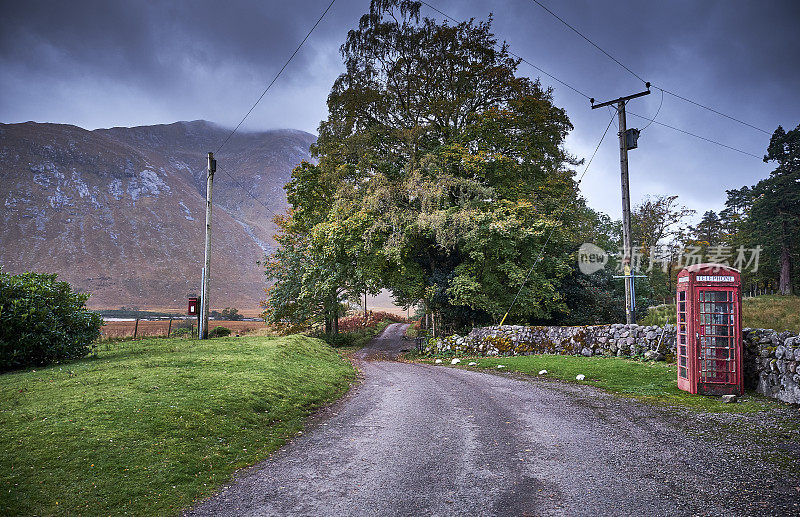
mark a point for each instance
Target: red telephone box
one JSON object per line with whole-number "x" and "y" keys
{"x": 709, "y": 349}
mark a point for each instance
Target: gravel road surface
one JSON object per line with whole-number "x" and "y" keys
{"x": 430, "y": 440}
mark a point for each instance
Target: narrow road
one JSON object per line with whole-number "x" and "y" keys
{"x": 430, "y": 440}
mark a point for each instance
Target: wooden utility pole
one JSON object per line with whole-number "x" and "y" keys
{"x": 627, "y": 267}
{"x": 210, "y": 170}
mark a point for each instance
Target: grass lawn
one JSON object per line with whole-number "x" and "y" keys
{"x": 149, "y": 426}
{"x": 653, "y": 382}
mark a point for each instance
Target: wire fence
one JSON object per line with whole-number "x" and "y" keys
{"x": 141, "y": 328}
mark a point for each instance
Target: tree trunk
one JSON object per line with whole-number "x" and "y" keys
{"x": 785, "y": 281}
{"x": 365, "y": 307}
{"x": 670, "y": 290}
{"x": 336, "y": 316}
{"x": 327, "y": 323}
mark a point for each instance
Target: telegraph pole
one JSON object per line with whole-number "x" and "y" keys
{"x": 627, "y": 140}
{"x": 210, "y": 170}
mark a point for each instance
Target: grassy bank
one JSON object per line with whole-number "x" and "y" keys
{"x": 772, "y": 312}
{"x": 646, "y": 381}
{"x": 149, "y": 426}
{"x": 765, "y": 312}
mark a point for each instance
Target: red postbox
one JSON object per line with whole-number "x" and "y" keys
{"x": 194, "y": 307}
{"x": 709, "y": 347}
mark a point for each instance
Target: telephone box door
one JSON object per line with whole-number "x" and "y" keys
{"x": 717, "y": 315}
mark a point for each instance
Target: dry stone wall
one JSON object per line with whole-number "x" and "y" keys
{"x": 619, "y": 340}
{"x": 770, "y": 359}
{"x": 772, "y": 363}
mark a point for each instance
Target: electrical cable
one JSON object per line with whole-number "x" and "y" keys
{"x": 277, "y": 75}
{"x": 550, "y": 232}
{"x": 694, "y": 135}
{"x": 657, "y": 112}
{"x": 551, "y": 76}
{"x": 269, "y": 86}
{"x": 595, "y": 45}
{"x": 246, "y": 190}
{"x": 663, "y": 90}
{"x": 712, "y": 110}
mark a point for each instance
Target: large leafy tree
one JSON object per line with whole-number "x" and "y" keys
{"x": 440, "y": 173}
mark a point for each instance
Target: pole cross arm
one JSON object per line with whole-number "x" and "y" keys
{"x": 621, "y": 99}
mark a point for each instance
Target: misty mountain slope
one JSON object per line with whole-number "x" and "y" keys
{"x": 120, "y": 212}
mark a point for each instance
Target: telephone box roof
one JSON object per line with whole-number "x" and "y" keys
{"x": 709, "y": 265}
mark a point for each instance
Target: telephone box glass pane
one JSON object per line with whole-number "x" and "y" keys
{"x": 717, "y": 355}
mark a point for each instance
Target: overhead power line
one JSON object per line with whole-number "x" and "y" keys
{"x": 660, "y": 104}
{"x": 595, "y": 45}
{"x": 277, "y": 75}
{"x": 713, "y": 110}
{"x": 579, "y": 92}
{"x": 551, "y": 76}
{"x": 693, "y": 134}
{"x": 274, "y": 79}
{"x": 248, "y": 191}
{"x": 664, "y": 90}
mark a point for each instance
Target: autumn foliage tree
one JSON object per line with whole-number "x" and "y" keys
{"x": 440, "y": 171}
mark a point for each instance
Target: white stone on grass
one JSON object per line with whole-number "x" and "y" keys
{"x": 438, "y": 361}
{"x": 472, "y": 363}
{"x": 455, "y": 361}
{"x": 542, "y": 372}
{"x": 501, "y": 366}
{"x": 580, "y": 377}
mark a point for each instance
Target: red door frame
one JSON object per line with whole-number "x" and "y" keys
{"x": 733, "y": 384}
{"x": 689, "y": 283}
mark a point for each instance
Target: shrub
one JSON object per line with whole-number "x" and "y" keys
{"x": 181, "y": 332}
{"x": 43, "y": 321}
{"x": 219, "y": 332}
{"x": 660, "y": 315}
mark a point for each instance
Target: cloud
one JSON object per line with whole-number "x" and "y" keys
{"x": 100, "y": 64}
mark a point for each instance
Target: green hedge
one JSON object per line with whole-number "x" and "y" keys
{"x": 43, "y": 321}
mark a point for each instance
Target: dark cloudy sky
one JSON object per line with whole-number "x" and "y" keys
{"x": 122, "y": 63}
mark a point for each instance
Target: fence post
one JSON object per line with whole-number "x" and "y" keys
{"x": 136, "y": 328}
{"x": 169, "y": 330}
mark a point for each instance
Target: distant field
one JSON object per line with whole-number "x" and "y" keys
{"x": 246, "y": 312}
{"x": 120, "y": 329}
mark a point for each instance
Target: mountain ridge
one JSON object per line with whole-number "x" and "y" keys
{"x": 119, "y": 212}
